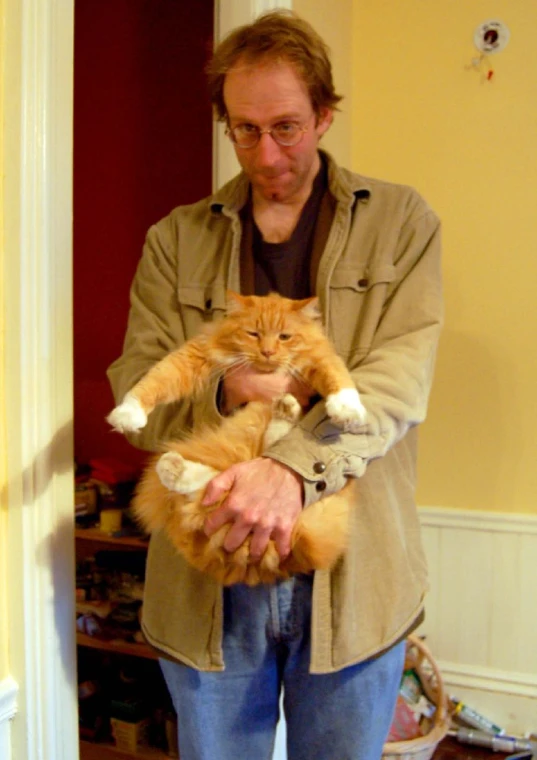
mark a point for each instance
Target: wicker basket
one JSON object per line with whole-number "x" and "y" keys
{"x": 420, "y": 659}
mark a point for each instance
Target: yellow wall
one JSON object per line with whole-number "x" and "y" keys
{"x": 423, "y": 116}
{"x": 3, "y": 516}
{"x": 416, "y": 111}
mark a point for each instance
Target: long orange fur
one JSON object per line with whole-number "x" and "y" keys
{"x": 270, "y": 333}
{"x": 319, "y": 535}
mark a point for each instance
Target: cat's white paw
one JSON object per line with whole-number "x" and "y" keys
{"x": 287, "y": 408}
{"x": 128, "y": 417}
{"x": 346, "y": 410}
{"x": 170, "y": 469}
{"x": 286, "y": 411}
{"x": 181, "y": 475}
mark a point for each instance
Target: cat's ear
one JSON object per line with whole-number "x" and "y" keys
{"x": 235, "y": 302}
{"x": 309, "y": 307}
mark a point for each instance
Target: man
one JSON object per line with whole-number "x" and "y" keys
{"x": 294, "y": 222}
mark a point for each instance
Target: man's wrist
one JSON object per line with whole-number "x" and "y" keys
{"x": 297, "y": 476}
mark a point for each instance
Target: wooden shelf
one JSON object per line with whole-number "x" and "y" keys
{"x": 96, "y": 751}
{"x": 96, "y": 536}
{"x": 117, "y": 646}
{"x": 87, "y": 539}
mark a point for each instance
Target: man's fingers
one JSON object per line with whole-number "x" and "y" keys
{"x": 282, "y": 540}
{"x": 259, "y": 543}
{"x": 217, "y": 488}
{"x": 236, "y": 536}
{"x": 216, "y": 520}
{"x": 241, "y": 528}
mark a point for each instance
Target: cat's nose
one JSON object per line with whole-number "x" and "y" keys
{"x": 268, "y": 352}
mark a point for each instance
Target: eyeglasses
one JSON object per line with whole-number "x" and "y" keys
{"x": 248, "y": 135}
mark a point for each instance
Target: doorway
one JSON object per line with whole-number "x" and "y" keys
{"x": 37, "y": 203}
{"x": 142, "y": 145}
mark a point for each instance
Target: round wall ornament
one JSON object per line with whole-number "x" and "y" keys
{"x": 491, "y": 36}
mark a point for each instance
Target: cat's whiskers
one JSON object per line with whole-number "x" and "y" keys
{"x": 280, "y": 367}
{"x": 233, "y": 364}
{"x": 236, "y": 363}
{"x": 295, "y": 373}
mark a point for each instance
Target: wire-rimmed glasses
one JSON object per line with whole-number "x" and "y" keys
{"x": 287, "y": 133}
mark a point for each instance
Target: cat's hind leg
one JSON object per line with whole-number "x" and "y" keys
{"x": 286, "y": 407}
{"x": 286, "y": 412}
{"x": 182, "y": 475}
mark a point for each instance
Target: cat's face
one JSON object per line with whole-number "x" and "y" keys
{"x": 269, "y": 333}
{"x": 269, "y": 342}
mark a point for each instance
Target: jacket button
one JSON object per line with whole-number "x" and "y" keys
{"x": 208, "y": 304}
{"x": 319, "y": 467}
{"x": 320, "y": 486}
{"x": 363, "y": 282}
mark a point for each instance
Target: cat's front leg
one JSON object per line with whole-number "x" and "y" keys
{"x": 182, "y": 475}
{"x": 129, "y": 416}
{"x": 180, "y": 374}
{"x": 346, "y": 410}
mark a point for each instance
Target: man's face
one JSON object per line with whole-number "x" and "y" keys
{"x": 263, "y": 95}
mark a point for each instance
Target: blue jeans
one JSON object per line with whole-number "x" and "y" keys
{"x": 232, "y": 715}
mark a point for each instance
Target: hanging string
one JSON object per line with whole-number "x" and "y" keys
{"x": 482, "y": 65}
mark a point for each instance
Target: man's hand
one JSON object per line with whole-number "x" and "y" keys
{"x": 264, "y": 499}
{"x": 245, "y": 384}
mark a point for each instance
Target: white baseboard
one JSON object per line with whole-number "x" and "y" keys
{"x": 8, "y": 709}
{"x": 490, "y": 679}
{"x": 481, "y": 621}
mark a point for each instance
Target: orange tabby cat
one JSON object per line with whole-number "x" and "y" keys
{"x": 270, "y": 334}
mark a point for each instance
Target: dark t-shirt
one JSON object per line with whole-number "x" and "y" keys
{"x": 285, "y": 267}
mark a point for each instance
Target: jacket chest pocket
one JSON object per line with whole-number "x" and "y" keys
{"x": 200, "y": 304}
{"x": 357, "y": 300}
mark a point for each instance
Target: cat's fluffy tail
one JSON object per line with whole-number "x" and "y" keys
{"x": 321, "y": 533}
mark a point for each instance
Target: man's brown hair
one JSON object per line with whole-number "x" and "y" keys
{"x": 275, "y": 36}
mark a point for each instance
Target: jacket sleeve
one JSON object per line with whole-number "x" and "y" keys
{"x": 154, "y": 329}
{"x": 394, "y": 377}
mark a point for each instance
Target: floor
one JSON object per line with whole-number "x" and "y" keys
{"x": 449, "y": 749}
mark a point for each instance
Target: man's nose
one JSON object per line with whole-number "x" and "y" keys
{"x": 268, "y": 150}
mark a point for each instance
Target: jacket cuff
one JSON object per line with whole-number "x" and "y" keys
{"x": 321, "y": 458}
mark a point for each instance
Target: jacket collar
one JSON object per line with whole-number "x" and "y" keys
{"x": 344, "y": 185}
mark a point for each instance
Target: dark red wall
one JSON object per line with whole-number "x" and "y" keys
{"x": 142, "y": 145}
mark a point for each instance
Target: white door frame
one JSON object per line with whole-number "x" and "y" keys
{"x": 38, "y": 90}
{"x": 37, "y": 218}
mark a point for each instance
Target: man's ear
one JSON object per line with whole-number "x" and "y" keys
{"x": 325, "y": 117}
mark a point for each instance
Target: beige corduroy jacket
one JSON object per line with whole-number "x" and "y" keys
{"x": 379, "y": 284}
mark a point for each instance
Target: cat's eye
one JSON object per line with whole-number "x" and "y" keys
{"x": 284, "y": 336}
{"x": 252, "y": 333}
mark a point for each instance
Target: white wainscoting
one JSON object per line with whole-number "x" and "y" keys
{"x": 481, "y": 612}
{"x": 8, "y": 708}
